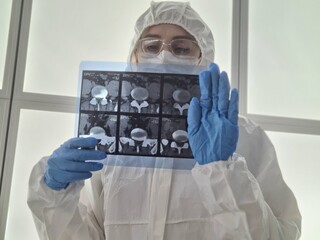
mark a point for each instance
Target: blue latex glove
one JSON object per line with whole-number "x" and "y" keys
{"x": 68, "y": 163}
{"x": 213, "y": 122}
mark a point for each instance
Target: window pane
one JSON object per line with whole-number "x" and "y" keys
{"x": 33, "y": 133}
{"x": 5, "y": 13}
{"x": 63, "y": 33}
{"x": 284, "y": 57}
{"x": 297, "y": 154}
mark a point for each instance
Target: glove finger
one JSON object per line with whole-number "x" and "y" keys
{"x": 205, "y": 90}
{"x": 67, "y": 177}
{"x": 234, "y": 107}
{"x": 194, "y": 117}
{"x": 81, "y": 154}
{"x": 224, "y": 89}
{"x": 215, "y": 75}
{"x": 88, "y": 142}
{"x": 74, "y": 166}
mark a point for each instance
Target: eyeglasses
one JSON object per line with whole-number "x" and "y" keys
{"x": 178, "y": 47}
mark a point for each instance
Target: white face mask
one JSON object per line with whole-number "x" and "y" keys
{"x": 166, "y": 57}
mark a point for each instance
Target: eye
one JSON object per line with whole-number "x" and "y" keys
{"x": 151, "y": 46}
{"x": 182, "y": 47}
{"x": 181, "y": 51}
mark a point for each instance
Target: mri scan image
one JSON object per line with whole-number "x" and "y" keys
{"x": 136, "y": 113}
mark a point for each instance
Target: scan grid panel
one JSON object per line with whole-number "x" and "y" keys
{"x": 135, "y": 113}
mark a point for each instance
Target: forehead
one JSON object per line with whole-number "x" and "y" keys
{"x": 166, "y": 32}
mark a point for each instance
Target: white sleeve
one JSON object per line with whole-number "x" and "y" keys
{"x": 249, "y": 196}
{"x": 61, "y": 214}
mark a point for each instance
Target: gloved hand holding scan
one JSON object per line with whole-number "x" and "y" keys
{"x": 69, "y": 162}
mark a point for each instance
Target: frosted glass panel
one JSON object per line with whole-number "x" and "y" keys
{"x": 5, "y": 13}
{"x": 39, "y": 134}
{"x": 284, "y": 57}
{"x": 63, "y": 33}
{"x": 298, "y": 156}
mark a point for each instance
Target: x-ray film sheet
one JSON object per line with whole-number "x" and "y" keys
{"x": 138, "y": 110}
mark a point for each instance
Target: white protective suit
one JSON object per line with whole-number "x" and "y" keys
{"x": 241, "y": 198}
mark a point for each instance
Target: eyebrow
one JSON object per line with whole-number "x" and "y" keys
{"x": 176, "y": 37}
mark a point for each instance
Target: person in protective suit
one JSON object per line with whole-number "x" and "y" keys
{"x": 235, "y": 189}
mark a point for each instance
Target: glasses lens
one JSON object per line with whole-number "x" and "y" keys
{"x": 151, "y": 46}
{"x": 184, "y": 47}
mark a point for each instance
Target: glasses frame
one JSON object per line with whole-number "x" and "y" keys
{"x": 139, "y": 47}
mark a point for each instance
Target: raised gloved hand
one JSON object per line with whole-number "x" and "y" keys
{"x": 68, "y": 163}
{"x": 213, "y": 122}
